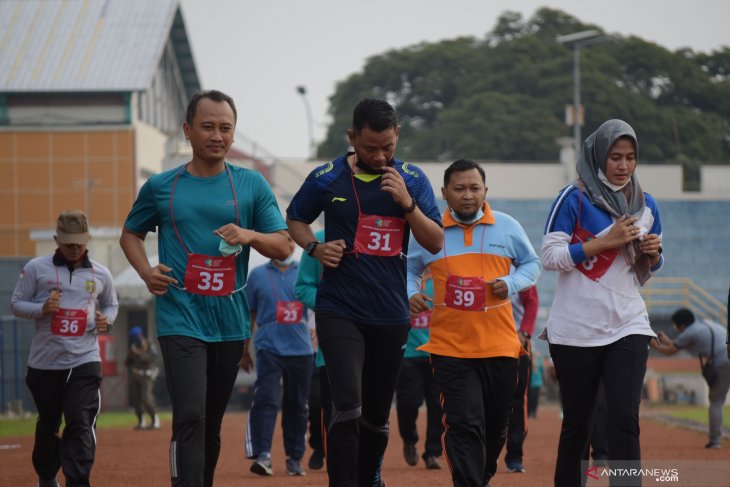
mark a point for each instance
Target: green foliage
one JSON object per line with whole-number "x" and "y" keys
{"x": 113, "y": 419}
{"x": 504, "y": 96}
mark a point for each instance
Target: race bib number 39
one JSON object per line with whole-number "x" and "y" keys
{"x": 69, "y": 322}
{"x": 465, "y": 293}
{"x": 379, "y": 235}
{"x": 210, "y": 275}
{"x": 289, "y": 312}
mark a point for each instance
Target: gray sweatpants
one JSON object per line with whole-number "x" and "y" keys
{"x": 718, "y": 393}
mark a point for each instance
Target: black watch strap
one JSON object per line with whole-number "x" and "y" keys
{"x": 311, "y": 246}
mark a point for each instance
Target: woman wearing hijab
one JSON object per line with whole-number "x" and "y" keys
{"x": 603, "y": 236}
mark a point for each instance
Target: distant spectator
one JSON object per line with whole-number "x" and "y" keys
{"x": 143, "y": 370}
{"x": 705, "y": 339}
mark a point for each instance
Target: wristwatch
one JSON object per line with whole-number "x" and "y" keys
{"x": 310, "y": 246}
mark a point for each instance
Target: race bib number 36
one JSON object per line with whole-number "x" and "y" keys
{"x": 69, "y": 322}
{"x": 210, "y": 275}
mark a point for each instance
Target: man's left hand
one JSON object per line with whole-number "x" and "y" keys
{"x": 499, "y": 288}
{"x": 102, "y": 322}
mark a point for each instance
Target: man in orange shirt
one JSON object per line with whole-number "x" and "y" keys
{"x": 473, "y": 342}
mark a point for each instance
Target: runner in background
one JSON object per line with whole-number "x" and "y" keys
{"x": 283, "y": 364}
{"x": 320, "y": 400}
{"x": 59, "y": 292}
{"x": 416, "y": 384}
{"x": 525, "y": 305}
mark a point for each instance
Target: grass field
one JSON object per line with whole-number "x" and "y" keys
{"x": 697, "y": 414}
{"x": 26, "y": 426}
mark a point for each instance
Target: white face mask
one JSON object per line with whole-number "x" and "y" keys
{"x": 286, "y": 262}
{"x": 609, "y": 184}
{"x": 477, "y": 217}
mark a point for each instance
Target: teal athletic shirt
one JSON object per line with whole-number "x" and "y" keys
{"x": 202, "y": 205}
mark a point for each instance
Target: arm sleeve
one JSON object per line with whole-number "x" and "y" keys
{"x": 557, "y": 253}
{"x": 308, "y": 277}
{"x": 108, "y": 298}
{"x": 416, "y": 265}
{"x": 143, "y": 216}
{"x": 531, "y": 304}
{"x": 426, "y": 199}
{"x": 656, "y": 228}
{"x": 23, "y": 301}
{"x": 267, "y": 216}
{"x": 526, "y": 262}
{"x": 251, "y": 287}
{"x": 306, "y": 204}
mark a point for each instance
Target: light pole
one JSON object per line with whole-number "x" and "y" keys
{"x": 302, "y": 90}
{"x": 579, "y": 40}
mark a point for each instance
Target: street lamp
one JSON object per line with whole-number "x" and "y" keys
{"x": 579, "y": 40}
{"x": 302, "y": 90}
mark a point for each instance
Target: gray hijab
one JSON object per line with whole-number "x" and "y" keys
{"x": 628, "y": 201}
{"x": 593, "y": 157}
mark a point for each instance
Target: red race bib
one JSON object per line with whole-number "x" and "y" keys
{"x": 289, "y": 312}
{"x": 422, "y": 320}
{"x": 210, "y": 275}
{"x": 69, "y": 322}
{"x": 379, "y": 235}
{"x": 466, "y": 293}
{"x": 593, "y": 267}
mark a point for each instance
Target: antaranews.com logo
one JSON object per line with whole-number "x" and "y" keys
{"x": 679, "y": 473}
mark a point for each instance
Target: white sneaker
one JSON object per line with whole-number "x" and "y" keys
{"x": 155, "y": 423}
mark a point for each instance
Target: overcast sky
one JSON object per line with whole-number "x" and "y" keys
{"x": 260, "y": 51}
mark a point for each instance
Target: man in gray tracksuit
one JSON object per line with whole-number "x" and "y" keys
{"x": 60, "y": 292}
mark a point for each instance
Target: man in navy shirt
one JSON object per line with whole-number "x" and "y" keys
{"x": 370, "y": 202}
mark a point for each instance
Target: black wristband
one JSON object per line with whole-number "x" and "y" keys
{"x": 412, "y": 208}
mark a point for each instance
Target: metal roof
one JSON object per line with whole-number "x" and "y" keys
{"x": 89, "y": 45}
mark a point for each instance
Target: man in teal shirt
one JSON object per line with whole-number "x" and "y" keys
{"x": 209, "y": 214}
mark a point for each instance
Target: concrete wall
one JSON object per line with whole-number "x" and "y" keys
{"x": 535, "y": 181}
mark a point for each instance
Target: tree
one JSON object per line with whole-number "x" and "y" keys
{"x": 504, "y": 97}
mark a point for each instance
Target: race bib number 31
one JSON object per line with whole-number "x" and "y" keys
{"x": 69, "y": 322}
{"x": 379, "y": 235}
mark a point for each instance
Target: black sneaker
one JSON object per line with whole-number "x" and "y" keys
{"x": 713, "y": 445}
{"x": 516, "y": 467}
{"x": 262, "y": 465}
{"x": 316, "y": 461}
{"x": 410, "y": 454}
{"x": 432, "y": 463}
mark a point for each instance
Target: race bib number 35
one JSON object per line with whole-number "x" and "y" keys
{"x": 210, "y": 275}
